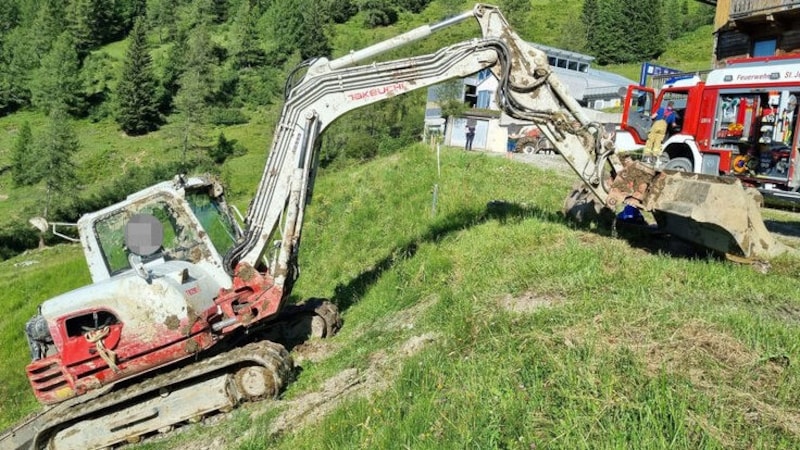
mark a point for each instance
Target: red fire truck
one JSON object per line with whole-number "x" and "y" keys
{"x": 740, "y": 121}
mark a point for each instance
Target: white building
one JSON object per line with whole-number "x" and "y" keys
{"x": 594, "y": 89}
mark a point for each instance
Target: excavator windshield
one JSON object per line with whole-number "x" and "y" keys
{"x": 179, "y": 239}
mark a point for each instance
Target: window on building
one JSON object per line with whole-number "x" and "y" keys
{"x": 470, "y": 96}
{"x": 765, "y": 47}
{"x": 483, "y": 99}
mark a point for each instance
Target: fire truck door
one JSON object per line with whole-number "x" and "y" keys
{"x": 636, "y": 114}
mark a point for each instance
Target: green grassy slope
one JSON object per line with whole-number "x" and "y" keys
{"x": 626, "y": 346}
{"x": 617, "y": 346}
{"x": 26, "y": 281}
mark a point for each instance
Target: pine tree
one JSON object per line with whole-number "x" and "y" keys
{"x": 23, "y": 159}
{"x": 160, "y": 14}
{"x": 312, "y": 40}
{"x": 196, "y": 89}
{"x": 17, "y": 62}
{"x": 57, "y": 81}
{"x": 589, "y": 19}
{"x": 137, "y": 96}
{"x": 49, "y": 23}
{"x": 55, "y": 151}
{"x": 611, "y": 41}
{"x": 224, "y": 148}
{"x": 81, "y": 26}
{"x": 9, "y": 17}
{"x": 244, "y": 38}
{"x": 646, "y": 39}
{"x": 283, "y": 21}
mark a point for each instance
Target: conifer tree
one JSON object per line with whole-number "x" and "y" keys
{"x": 196, "y": 88}
{"x": 54, "y": 151}
{"x": 57, "y": 82}
{"x": 312, "y": 40}
{"x": 244, "y": 38}
{"x": 137, "y": 96}
{"x": 23, "y": 158}
{"x": 80, "y": 18}
{"x": 620, "y": 31}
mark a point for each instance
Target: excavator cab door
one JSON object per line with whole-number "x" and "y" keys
{"x": 637, "y": 111}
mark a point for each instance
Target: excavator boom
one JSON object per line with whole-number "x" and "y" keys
{"x": 528, "y": 91}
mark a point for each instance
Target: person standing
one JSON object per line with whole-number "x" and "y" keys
{"x": 470, "y": 136}
{"x": 664, "y": 119}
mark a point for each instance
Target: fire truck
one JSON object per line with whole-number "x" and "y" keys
{"x": 740, "y": 121}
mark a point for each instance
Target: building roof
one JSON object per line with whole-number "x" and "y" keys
{"x": 557, "y": 52}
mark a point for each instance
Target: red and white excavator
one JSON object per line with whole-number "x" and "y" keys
{"x": 187, "y": 313}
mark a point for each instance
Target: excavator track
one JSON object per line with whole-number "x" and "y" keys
{"x": 127, "y": 413}
{"x": 314, "y": 318}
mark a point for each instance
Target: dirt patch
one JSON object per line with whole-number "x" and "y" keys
{"x": 313, "y": 351}
{"x": 528, "y": 302}
{"x": 349, "y": 384}
{"x": 789, "y": 313}
{"x": 406, "y": 319}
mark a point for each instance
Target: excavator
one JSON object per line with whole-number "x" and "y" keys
{"x": 187, "y": 313}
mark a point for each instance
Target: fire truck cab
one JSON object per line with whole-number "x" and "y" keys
{"x": 740, "y": 121}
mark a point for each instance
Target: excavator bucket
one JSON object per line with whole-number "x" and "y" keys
{"x": 717, "y": 213}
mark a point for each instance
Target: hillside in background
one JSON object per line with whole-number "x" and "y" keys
{"x": 218, "y": 71}
{"x": 475, "y": 317}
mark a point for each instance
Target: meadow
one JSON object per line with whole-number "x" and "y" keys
{"x": 492, "y": 322}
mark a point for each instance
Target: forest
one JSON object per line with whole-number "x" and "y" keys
{"x": 176, "y": 79}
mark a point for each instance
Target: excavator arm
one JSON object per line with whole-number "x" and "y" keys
{"x": 528, "y": 91}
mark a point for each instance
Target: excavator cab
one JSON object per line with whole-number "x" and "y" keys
{"x": 187, "y": 222}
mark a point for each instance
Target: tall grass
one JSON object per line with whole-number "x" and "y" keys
{"x": 633, "y": 349}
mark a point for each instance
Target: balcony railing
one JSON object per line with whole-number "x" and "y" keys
{"x": 745, "y": 8}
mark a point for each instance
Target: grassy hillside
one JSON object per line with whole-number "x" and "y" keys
{"x": 495, "y": 324}
{"x": 106, "y": 154}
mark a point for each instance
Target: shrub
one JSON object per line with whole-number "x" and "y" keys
{"x": 228, "y": 116}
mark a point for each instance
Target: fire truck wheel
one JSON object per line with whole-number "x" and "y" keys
{"x": 679, "y": 165}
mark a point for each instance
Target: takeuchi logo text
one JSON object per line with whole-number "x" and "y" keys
{"x": 377, "y": 91}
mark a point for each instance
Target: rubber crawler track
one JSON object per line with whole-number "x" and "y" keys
{"x": 267, "y": 354}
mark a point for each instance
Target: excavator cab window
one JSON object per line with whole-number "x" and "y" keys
{"x": 178, "y": 241}
{"x": 215, "y": 220}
